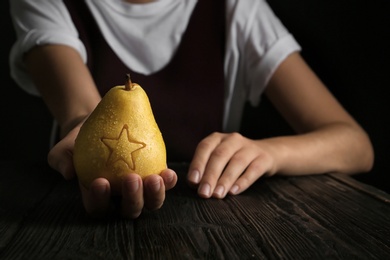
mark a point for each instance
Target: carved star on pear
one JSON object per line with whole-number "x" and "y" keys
{"x": 122, "y": 148}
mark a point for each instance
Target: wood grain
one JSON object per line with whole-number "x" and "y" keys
{"x": 312, "y": 217}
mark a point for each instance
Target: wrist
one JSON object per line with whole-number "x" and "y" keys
{"x": 277, "y": 152}
{"x": 70, "y": 124}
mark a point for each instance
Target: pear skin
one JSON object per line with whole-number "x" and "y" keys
{"x": 119, "y": 137}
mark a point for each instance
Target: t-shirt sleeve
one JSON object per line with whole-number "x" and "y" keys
{"x": 39, "y": 22}
{"x": 268, "y": 44}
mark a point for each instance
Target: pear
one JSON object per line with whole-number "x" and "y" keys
{"x": 119, "y": 137}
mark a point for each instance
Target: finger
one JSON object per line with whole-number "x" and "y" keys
{"x": 132, "y": 196}
{"x": 201, "y": 157}
{"x": 170, "y": 178}
{"x": 254, "y": 171}
{"x": 218, "y": 161}
{"x": 60, "y": 157}
{"x": 154, "y": 192}
{"x": 96, "y": 199}
{"x": 235, "y": 168}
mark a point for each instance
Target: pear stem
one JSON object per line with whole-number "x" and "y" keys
{"x": 128, "y": 83}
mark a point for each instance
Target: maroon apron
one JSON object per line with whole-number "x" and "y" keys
{"x": 187, "y": 95}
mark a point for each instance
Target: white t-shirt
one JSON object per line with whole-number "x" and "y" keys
{"x": 146, "y": 36}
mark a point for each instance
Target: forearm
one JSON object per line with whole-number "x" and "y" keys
{"x": 338, "y": 147}
{"x": 64, "y": 83}
{"x": 329, "y": 139}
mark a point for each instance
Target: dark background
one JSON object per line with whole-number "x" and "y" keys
{"x": 345, "y": 42}
{"x": 25, "y": 121}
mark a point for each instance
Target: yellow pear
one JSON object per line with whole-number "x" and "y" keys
{"x": 120, "y": 137}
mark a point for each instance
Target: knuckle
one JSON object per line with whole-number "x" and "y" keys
{"x": 205, "y": 144}
{"x": 219, "y": 152}
{"x": 258, "y": 163}
{"x": 239, "y": 159}
{"x": 215, "y": 134}
{"x": 235, "y": 136}
{"x": 244, "y": 182}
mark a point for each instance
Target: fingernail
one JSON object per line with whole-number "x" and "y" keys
{"x": 234, "y": 189}
{"x": 194, "y": 176}
{"x": 219, "y": 190}
{"x": 133, "y": 185}
{"x": 204, "y": 189}
{"x": 156, "y": 186}
{"x": 100, "y": 191}
{"x": 169, "y": 178}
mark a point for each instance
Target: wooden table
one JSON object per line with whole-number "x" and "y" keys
{"x": 312, "y": 217}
